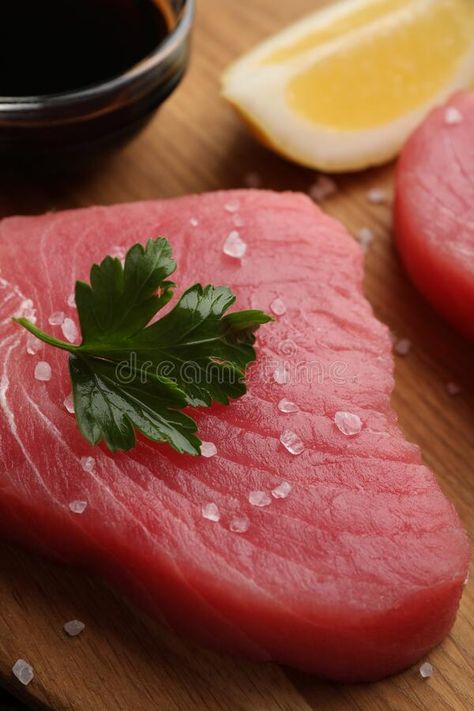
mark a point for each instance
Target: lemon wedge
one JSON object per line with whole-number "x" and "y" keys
{"x": 343, "y": 88}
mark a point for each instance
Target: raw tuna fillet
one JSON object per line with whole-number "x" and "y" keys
{"x": 354, "y": 573}
{"x": 434, "y": 210}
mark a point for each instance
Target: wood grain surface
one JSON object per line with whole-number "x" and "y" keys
{"x": 122, "y": 661}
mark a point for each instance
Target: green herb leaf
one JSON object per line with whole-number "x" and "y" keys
{"x": 111, "y": 411}
{"x": 129, "y": 375}
{"x": 202, "y": 351}
{"x": 120, "y": 301}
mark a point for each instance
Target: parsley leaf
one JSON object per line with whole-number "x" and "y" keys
{"x": 108, "y": 410}
{"x": 131, "y": 375}
{"x": 121, "y": 300}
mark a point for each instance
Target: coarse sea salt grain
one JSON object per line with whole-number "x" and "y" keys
{"x": 402, "y": 346}
{"x": 193, "y": 221}
{"x": 281, "y": 375}
{"x": 33, "y": 344}
{"x": 287, "y": 406}
{"x": 260, "y": 499}
{"x": 56, "y": 318}
{"x": 117, "y": 251}
{"x": 71, "y": 300}
{"x": 69, "y": 403}
{"x": 239, "y": 524}
{"x": 452, "y": 116}
{"x": 453, "y": 389}
{"x": 292, "y": 443}
{"x": 23, "y": 671}
{"x": 78, "y": 507}
{"x": 26, "y": 310}
{"x": 3, "y": 283}
{"x": 322, "y": 188}
{"x": 43, "y": 371}
{"x": 208, "y": 449}
{"x": 252, "y": 180}
{"x": 377, "y": 196}
{"x": 26, "y": 305}
{"x": 426, "y": 670}
{"x": 210, "y": 511}
{"x": 234, "y": 246}
{"x": 69, "y": 329}
{"x": 232, "y": 206}
{"x": 74, "y": 627}
{"x": 87, "y": 463}
{"x": 282, "y": 490}
{"x": 278, "y": 307}
{"x": 365, "y": 236}
{"x": 348, "y": 423}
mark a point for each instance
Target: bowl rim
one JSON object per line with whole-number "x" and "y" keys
{"x": 103, "y": 89}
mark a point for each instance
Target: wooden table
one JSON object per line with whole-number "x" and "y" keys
{"x": 126, "y": 663}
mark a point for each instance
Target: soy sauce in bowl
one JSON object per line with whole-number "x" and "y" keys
{"x": 78, "y": 77}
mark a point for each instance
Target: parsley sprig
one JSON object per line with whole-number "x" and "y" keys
{"x": 131, "y": 372}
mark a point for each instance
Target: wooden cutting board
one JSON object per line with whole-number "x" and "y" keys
{"x": 122, "y": 661}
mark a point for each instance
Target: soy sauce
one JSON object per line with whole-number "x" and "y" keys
{"x": 53, "y": 46}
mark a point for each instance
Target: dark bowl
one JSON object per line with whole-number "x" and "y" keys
{"x": 69, "y": 129}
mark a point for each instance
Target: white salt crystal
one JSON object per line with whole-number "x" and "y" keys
{"x": 252, "y": 180}
{"x": 365, "y": 236}
{"x": 23, "y": 671}
{"x": 69, "y": 403}
{"x": 87, "y": 463}
{"x": 74, "y": 627}
{"x": 402, "y": 347}
{"x": 260, "y": 498}
{"x": 26, "y": 305}
{"x": 287, "y": 406}
{"x": 43, "y": 371}
{"x": 71, "y": 300}
{"x": 78, "y": 507}
{"x": 210, "y": 511}
{"x": 26, "y": 310}
{"x": 232, "y": 206}
{"x": 238, "y": 220}
{"x": 322, "y": 188}
{"x": 348, "y": 423}
{"x": 466, "y": 579}
{"x": 56, "y": 318}
{"x": 377, "y": 196}
{"x": 239, "y": 524}
{"x": 278, "y": 307}
{"x": 69, "y": 330}
{"x": 452, "y": 116}
{"x": 3, "y": 283}
{"x": 234, "y": 246}
{"x": 193, "y": 221}
{"x": 118, "y": 252}
{"x": 292, "y": 442}
{"x": 282, "y": 490}
{"x": 208, "y": 449}
{"x": 426, "y": 670}
{"x": 33, "y": 344}
{"x": 281, "y": 375}
{"x": 453, "y": 389}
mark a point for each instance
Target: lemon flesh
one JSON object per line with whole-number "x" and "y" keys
{"x": 380, "y": 76}
{"x": 343, "y": 88}
{"x": 355, "y": 18}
